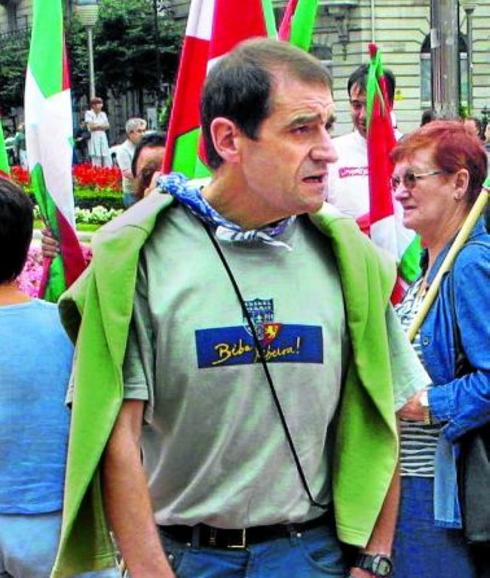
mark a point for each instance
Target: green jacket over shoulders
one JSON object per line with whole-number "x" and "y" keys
{"x": 96, "y": 312}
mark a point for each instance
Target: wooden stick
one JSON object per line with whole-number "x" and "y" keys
{"x": 473, "y": 216}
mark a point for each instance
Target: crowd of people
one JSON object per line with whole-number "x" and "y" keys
{"x": 244, "y": 400}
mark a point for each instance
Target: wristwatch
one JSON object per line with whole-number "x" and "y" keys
{"x": 424, "y": 402}
{"x": 378, "y": 564}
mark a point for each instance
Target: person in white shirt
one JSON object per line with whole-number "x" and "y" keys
{"x": 97, "y": 124}
{"x": 135, "y": 129}
{"x": 348, "y": 183}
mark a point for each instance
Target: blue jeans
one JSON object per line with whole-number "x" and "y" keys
{"x": 28, "y": 545}
{"x": 314, "y": 553}
{"x": 421, "y": 549}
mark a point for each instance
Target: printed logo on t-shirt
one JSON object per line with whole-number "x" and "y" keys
{"x": 281, "y": 343}
{"x": 345, "y": 172}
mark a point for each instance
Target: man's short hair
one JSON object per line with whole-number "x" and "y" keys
{"x": 240, "y": 86}
{"x": 151, "y": 139}
{"x": 16, "y": 222}
{"x": 96, "y": 100}
{"x": 359, "y": 77}
{"x": 134, "y": 124}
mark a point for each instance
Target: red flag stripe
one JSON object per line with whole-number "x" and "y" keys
{"x": 185, "y": 111}
{"x": 285, "y": 28}
{"x": 71, "y": 252}
{"x": 232, "y": 24}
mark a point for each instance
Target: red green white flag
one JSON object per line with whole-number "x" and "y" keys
{"x": 214, "y": 27}
{"x": 4, "y": 161}
{"x": 298, "y": 23}
{"x": 386, "y": 228}
{"x": 49, "y": 143}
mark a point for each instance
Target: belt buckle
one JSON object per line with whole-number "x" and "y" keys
{"x": 243, "y": 543}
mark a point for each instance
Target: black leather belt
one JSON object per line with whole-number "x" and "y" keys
{"x": 207, "y": 536}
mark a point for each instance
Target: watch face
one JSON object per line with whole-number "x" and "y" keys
{"x": 382, "y": 566}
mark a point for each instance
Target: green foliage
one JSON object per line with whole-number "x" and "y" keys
{"x": 13, "y": 64}
{"x": 76, "y": 48}
{"x": 127, "y": 39}
{"x": 87, "y": 198}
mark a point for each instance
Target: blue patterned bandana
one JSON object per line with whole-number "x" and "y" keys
{"x": 179, "y": 187}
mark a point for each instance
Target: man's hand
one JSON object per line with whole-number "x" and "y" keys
{"x": 153, "y": 183}
{"x": 49, "y": 245}
{"x": 413, "y": 410}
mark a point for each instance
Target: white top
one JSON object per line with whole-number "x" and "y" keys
{"x": 124, "y": 157}
{"x": 348, "y": 182}
{"x": 97, "y": 145}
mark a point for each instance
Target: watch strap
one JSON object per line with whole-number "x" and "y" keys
{"x": 378, "y": 564}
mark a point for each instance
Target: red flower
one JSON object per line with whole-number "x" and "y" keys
{"x": 87, "y": 175}
{"x": 20, "y": 175}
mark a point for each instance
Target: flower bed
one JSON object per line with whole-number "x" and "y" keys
{"x": 93, "y": 188}
{"x": 98, "y": 215}
{"x": 97, "y": 178}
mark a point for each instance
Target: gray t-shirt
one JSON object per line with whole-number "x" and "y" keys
{"x": 214, "y": 449}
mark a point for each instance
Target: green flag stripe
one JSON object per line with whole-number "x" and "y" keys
{"x": 303, "y": 24}
{"x": 270, "y": 20}
{"x": 4, "y": 161}
{"x": 185, "y": 155}
{"x": 56, "y": 283}
{"x": 46, "y": 50}
{"x": 409, "y": 267}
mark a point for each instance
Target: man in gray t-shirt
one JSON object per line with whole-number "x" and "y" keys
{"x": 262, "y": 354}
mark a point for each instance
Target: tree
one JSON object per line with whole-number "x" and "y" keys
{"x": 128, "y": 41}
{"x": 13, "y": 64}
{"x": 76, "y": 48}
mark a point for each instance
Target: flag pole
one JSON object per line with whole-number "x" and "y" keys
{"x": 473, "y": 216}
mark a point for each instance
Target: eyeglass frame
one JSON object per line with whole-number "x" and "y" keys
{"x": 410, "y": 179}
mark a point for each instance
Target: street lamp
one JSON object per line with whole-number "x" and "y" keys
{"x": 87, "y": 11}
{"x": 469, "y": 8}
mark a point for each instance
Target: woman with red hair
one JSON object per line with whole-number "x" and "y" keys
{"x": 438, "y": 174}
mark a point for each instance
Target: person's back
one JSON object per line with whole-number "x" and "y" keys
{"x": 35, "y": 364}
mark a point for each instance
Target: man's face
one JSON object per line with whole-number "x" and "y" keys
{"x": 471, "y": 126}
{"x": 357, "y": 99}
{"x": 149, "y": 161}
{"x": 136, "y": 134}
{"x": 97, "y": 106}
{"x": 285, "y": 168}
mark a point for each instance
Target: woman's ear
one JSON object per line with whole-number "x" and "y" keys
{"x": 461, "y": 184}
{"x": 225, "y": 133}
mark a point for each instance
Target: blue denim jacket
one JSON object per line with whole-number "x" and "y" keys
{"x": 461, "y": 403}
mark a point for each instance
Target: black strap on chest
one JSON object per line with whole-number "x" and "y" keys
{"x": 260, "y": 351}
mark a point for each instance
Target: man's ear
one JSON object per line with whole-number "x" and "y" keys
{"x": 225, "y": 135}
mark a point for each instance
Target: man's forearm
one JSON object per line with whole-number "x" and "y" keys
{"x": 382, "y": 536}
{"x": 128, "y": 505}
{"x": 381, "y": 541}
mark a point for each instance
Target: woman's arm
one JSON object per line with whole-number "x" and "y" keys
{"x": 464, "y": 402}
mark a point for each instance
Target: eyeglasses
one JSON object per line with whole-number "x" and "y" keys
{"x": 410, "y": 178}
